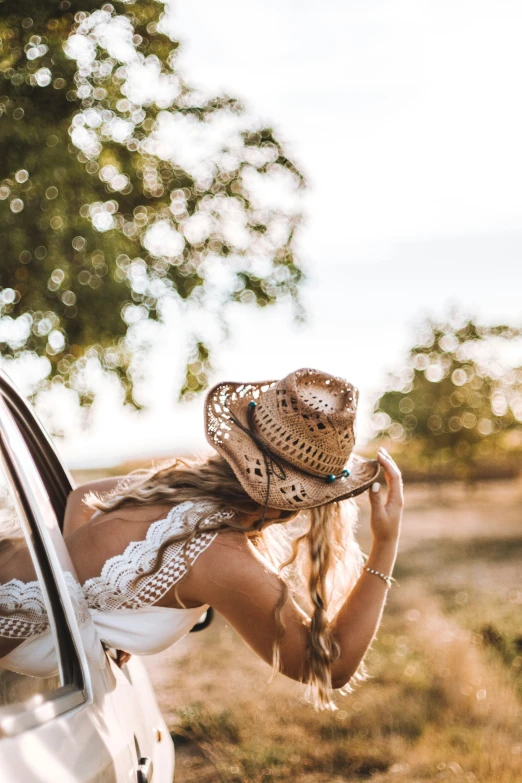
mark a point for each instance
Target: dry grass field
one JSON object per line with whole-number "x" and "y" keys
{"x": 444, "y": 702}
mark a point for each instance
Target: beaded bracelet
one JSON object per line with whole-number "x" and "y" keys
{"x": 387, "y": 579}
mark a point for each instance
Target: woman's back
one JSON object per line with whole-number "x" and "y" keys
{"x": 125, "y": 558}
{"x": 108, "y": 534}
{"x": 129, "y": 569}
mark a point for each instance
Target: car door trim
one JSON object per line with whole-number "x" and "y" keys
{"x": 39, "y": 709}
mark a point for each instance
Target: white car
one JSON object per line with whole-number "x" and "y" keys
{"x": 94, "y": 721}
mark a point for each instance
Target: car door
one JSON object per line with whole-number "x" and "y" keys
{"x": 112, "y": 713}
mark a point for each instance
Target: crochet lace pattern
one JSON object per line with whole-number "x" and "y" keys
{"x": 24, "y": 605}
{"x": 23, "y": 602}
{"x": 114, "y": 588}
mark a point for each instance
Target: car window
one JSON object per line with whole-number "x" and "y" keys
{"x": 27, "y": 646}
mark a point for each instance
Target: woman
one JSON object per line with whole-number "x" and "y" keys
{"x": 262, "y": 531}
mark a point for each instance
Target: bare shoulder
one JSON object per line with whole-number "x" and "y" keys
{"x": 231, "y": 549}
{"x": 237, "y": 541}
{"x": 231, "y": 564}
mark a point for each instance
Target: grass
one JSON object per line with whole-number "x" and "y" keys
{"x": 444, "y": 702}
{"x": 438, "y": 708}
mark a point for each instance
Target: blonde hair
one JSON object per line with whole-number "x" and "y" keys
{"x": 315, "y": 551}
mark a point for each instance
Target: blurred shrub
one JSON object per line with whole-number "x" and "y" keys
{"x": 455, "y": 409}
{"x": 202, "y": 725}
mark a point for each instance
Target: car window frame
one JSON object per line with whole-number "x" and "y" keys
{"x": 56, "y": 478}
{"x": 38, "y": 519}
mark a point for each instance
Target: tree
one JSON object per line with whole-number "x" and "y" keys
{"x": 453, "y": 402}
{"x": 101, "y": 215}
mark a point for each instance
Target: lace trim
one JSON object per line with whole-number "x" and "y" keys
{"x": 114, "y": 589}
{"x": 27, "y": 615}
{"x": 24, "y": 605}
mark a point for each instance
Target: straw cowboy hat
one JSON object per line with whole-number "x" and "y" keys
{"x": 290, "y": 442}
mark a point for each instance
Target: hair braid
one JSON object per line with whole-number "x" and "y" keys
{"x": 322, "y": 649}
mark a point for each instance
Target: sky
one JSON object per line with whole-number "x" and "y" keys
{"x": 406, "y": 119}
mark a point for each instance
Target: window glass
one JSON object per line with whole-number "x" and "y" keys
{"x": 28, "y": 656}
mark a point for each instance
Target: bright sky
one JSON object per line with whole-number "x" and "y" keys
{"x": 406, "y": 118}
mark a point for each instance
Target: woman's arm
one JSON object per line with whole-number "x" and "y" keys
{"x": 77, "y": 513}
{"x": 358, "y": 620}
{"x": 231, "y": 577}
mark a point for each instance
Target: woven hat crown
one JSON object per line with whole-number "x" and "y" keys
{"x": 308, "y": 420}
{"x": 290, "y": 442}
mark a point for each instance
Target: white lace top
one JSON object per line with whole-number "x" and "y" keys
{"x": 121, "y": 607}
{"x": 114, "y": 589}
{"x": 22, "y": 607}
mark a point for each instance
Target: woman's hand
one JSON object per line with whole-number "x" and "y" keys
{"x": 386, "y": 515}
{"x": 122, "y": 657}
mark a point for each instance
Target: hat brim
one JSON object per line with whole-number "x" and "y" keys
{"x": 298, "y": 490}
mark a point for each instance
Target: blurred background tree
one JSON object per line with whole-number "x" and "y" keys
{"x": 455, "y": 405}
{"x": 121, "y": 186}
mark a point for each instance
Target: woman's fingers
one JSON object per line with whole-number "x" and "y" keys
{"x": 122, "y": 657}
{"x": 393, "y": 477}
{"x": 388, "y": 462}
{"x": 376, "y": 497}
